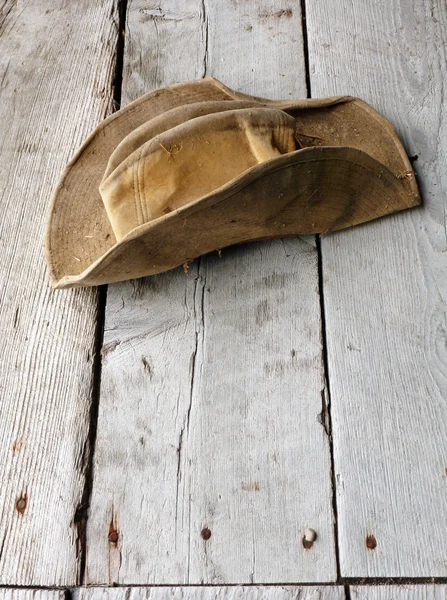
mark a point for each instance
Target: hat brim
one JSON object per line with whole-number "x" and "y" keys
{"x": 363, "y": 174}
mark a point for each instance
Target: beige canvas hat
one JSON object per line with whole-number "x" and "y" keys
{"x": 195, "y": 167}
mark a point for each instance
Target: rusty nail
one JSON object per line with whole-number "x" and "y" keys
{"x": 113, "y": 534}
{"x": 21, "y": 504}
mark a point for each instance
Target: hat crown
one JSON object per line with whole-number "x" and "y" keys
{"x": 172, "y": 161}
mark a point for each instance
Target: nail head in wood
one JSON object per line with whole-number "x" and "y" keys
{"x": 309, "y": 538}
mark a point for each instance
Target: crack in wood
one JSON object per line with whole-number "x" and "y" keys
{"x": 326, "y": 419}
{"x": 205, "y": 28}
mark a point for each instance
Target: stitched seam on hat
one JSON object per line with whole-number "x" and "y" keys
{"x": 141, "y": 191}
{"x": 282, "y": 136}
{"x": 136, "y": 195}
{"x": 285, "y": 132}
{"x": 141, "y": 188}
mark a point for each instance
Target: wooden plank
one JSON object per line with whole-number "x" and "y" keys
{"x": 385, "y": 293}
{"x": 29, "y": 594}
{"x": 213, "y": 593}
{"x": 56, "y": 67}
{"x": 399, "y": 592}
{"x": 256, "y": 481}
{"x": 211, "y": 456}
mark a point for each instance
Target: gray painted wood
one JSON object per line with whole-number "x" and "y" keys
{"x": 213, "y": 593}
{"x": 29, "y": 594}
{"x": 399, "y": 592}
{"x": 210, "y": 420}
{"x": 385, "y": 291}
{"x": 55, "y": 73}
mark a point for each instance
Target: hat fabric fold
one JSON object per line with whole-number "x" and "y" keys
{"x": 190, "y": 161}
{"x": 196, "y": 167}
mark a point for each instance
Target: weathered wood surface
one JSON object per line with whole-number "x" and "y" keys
{"x": 283, "y": 592}
{"x": 56, "y": 67}
{"x": 209, "y": 421}
{"x": 213, "y": 593}
{"x": 385, "y": 291}
{"x": 399, "y": 592}
{"x": 29, "y": 594}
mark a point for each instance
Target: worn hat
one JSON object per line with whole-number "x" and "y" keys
{"x": 195, "y": 167}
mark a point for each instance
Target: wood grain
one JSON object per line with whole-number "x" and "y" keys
{"x": 385, "y": 294}
{"x": 212, "y": 454}
{"x": 399, "y": 592}
{"x": 213, "y": 593}
{"x": 55, "y": 72}
{"x": 29, "y": 594}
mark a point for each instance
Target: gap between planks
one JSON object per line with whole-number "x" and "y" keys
{"x": 344, "y": 581}
{"x": 82, "y": 513}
